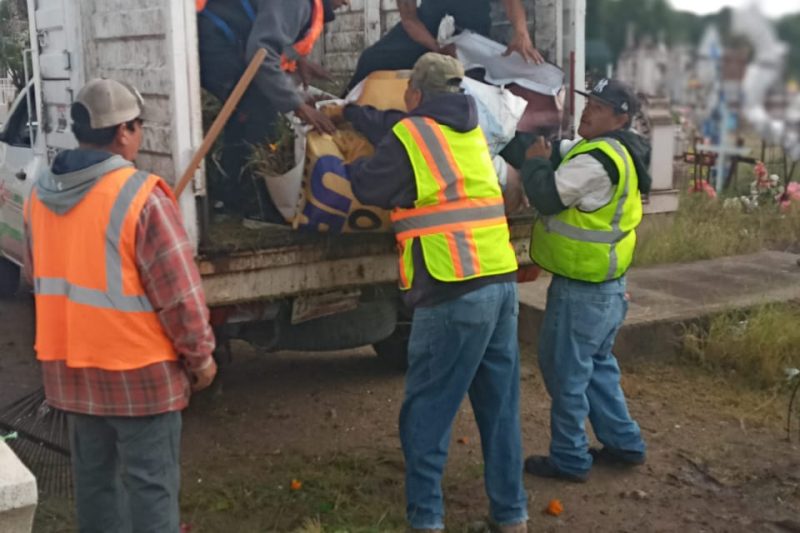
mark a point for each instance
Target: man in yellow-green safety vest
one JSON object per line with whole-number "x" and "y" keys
{"x": 457, "y": 270}
{"x": 588, "y": 196}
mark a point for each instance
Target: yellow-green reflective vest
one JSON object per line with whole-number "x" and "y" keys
{"x": 458, "y": 216}
{"x": 598, "y": 245}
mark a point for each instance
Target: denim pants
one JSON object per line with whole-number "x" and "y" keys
{"x": 465, "y": 345}
{"x": 581, "y": 374}
{"x": 126, "y": 472}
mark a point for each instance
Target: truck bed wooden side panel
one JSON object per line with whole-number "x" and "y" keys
{"x": 301, "y": 263}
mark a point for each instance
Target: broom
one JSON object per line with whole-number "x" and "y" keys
{"x": 38, "y": 435}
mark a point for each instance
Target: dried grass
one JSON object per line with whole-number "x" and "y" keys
{"x": 756, "y": 346}
{"x": 703, "y": 229}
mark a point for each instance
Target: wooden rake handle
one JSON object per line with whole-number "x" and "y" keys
{"x": 222, "y": 118}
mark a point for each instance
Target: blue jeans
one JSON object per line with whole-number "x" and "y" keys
{"x": 581, "y": 374}
{"x": 126, "y": 472}
{"x": 465, "y": 345}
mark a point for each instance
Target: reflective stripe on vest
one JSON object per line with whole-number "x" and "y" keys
{"x": 454, "y": 216}
{"x": 91, "y": 305}
{"x": 459, "y": 215}
{"x": 112, "y": 297}
{"x": 545, "y": 251}
{"x": 429, "y": 139}
{"x": 304, "y": 46}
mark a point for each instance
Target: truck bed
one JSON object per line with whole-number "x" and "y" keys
{"x": 240, "y": 265}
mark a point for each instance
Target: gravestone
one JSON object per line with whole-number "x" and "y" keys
{"x": 663, "y": 195}
{"x": 18, "y": 495}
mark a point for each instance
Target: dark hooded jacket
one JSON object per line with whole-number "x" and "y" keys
{"x": 387, "y": 180}
{"x": 539, "y": 177}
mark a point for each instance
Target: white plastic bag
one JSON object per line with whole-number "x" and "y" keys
{"x": 285, "y": 189}
{"x": 499, "y": 111}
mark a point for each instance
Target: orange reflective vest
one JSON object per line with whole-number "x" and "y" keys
{"x": 301, "y": 48}
{"x": 458, "y": 216}
{"x": 304, "y": 46}
{"x": 91, "y": 307}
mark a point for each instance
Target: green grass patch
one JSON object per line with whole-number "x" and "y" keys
{"x": 247, "y": 493}
{"x": 703, "y": 229}
{"x": 334, "y": 494}
{"x": 755, "y": 346}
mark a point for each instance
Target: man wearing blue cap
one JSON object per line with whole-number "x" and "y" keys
{"x": 588, "y": 196}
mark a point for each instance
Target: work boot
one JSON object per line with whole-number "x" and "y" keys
{"x": 540, "y": 465}
{"x": 521, "y": 527}
{"x": 619, "y": 458}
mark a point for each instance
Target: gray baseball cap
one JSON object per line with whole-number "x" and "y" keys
{"x": 437, "y": 73}
{"x": 110, "y": 102}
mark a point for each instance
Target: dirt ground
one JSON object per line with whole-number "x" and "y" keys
{"x": 718, "y": 457}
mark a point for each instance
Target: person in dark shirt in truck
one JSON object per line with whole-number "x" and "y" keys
{"x": 230, "y": 32}
{"x": 415, "y": 34}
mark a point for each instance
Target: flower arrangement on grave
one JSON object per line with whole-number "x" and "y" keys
{"x": 766, "y": 190}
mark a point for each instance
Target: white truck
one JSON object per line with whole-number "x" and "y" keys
{"x": 281, "y": 289}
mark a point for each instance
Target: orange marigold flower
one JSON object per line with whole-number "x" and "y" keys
{"x": 554, "y": 508}
{"x": 296, "y": 484}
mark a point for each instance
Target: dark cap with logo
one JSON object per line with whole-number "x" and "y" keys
{"x": 618, "y": 95}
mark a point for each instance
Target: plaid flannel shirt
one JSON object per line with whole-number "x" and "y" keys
{"x": 165, "y": 260}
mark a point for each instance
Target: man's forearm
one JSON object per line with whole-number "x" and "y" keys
{"x": 370, "y": 122}
{"x": 539, "y": 182}
{"x": 275, "y": 30}
{"x": 414, "y": 26}
{"x": 515, "y": 12}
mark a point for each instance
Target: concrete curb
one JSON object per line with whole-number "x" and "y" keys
{"x": 18, "y": 496}
{"x": 666, "y": 299}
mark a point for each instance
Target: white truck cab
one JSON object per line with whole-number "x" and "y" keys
{"x": 18, "y": 167}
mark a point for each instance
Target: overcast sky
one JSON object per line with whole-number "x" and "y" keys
{"x": 773, "y": 8}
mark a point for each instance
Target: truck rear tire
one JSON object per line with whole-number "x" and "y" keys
{"x": 393, "y": 350}
{"x": 9, "y": 278}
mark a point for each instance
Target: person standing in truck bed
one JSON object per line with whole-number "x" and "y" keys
{"x": 230, "y": 32}
{"x": 416, "y": 32}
